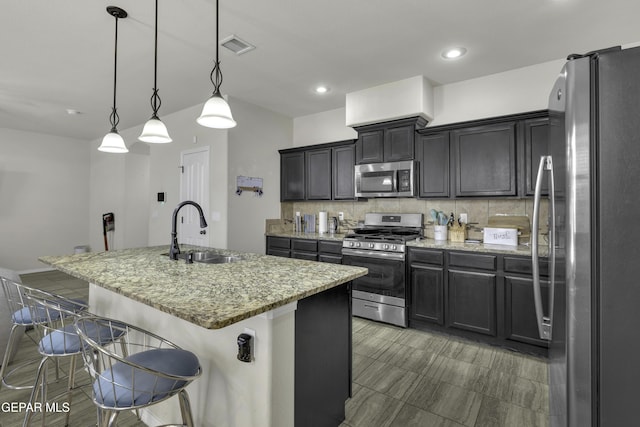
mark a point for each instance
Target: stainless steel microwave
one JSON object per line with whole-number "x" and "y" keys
{"x": 395, "y": 179}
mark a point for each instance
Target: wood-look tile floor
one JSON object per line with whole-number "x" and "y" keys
{"x": 401, "y": 377}
{"x": 405, "y": 377}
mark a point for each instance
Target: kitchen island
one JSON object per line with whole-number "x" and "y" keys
{"x": 298, "y": 313}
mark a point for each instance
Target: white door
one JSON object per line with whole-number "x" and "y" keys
{"x": 194, "y": 186}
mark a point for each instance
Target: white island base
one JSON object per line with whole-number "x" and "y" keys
{"x": 229, "y": 393}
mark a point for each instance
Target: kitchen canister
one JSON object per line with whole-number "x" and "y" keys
{"x": 440, "y": 232}
{"x": 322, "y": 222}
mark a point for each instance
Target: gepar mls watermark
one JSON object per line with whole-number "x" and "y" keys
{"x": 15, "y": 407}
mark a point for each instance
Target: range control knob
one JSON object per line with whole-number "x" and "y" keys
{"x": 357, "y": 244}
{"x": 372, "y": 245}
{"x": 394, "y": 247}
{"x": 386, "y": 246}
{"x": 350, "y": 244}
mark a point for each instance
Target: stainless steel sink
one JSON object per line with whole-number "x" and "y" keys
{"x": 214, "y": 258}
{"x": 208, "y": 257}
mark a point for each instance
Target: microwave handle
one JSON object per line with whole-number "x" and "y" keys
{"x": 395, "y": 181}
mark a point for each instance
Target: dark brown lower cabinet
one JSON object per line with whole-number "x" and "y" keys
{"x": 520, "y": 314}
{"x": 481, "y": 296}
{"x": 278, "y": 246}
{"x": 330, "y": 251}
{"x": 323, "y": 366}
{"x": 427, "y": 290}
{"x": 304, "y": 249}
{"x": 309, "y": 249}
{"x": 472, "y": 301}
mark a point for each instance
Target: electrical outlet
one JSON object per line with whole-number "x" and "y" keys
{"x": 463, "y": 218}
{"x": 341, "y": 216}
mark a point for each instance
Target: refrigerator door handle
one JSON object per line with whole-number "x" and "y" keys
{"x": 544, "y": 322}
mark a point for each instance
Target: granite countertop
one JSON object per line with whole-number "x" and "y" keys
{"x": 312, "y": 236}
{"x": 209, "y": 295}
{"x": 524, "y": 250}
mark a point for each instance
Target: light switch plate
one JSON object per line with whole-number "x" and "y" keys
{"x": 463, "y": 218}
{"x": 341, "y": 216}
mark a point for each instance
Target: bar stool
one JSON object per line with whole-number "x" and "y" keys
{"x": 146, "y": 369}
{"x": 59, "y": 339}
{"x": 22, "y": 318}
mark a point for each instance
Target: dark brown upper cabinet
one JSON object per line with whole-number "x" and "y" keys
{"x": 387, "y": 142}
{"x": 494, "y": 157}
{"x": 292, "y": 184}
{"x": 432, "y": 154}
{"x": 318, "y": 172}
{"x": 344, "y": 160}
{"x": 536, "y": 141}
{"x": 484, "y": 160}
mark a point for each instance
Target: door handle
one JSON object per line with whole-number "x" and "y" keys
{"x": 544, "y": 322}
{"x": 203, "y": 231}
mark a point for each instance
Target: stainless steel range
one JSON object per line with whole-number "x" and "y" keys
{"x": 380, "y": 246}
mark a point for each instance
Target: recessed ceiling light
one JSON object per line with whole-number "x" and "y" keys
{"x": 322, "y": 89}
{"x": 72, "y": 112}
{"x": 454, "y": 53}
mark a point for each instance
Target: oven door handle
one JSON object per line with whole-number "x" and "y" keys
{"x": 373, "y": 254}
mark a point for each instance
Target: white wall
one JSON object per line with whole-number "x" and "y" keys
{"x": 44, "y": 197}
{"x": 515, "y": 91}
{"x": 127, "y": 185}
{"x": 253, "y": 152}
{"x": 328, "y": 126}
{"x": 165, "y": 176}
{"x": 119, "y": 183}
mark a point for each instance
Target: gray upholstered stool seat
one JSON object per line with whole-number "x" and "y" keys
{"x": 24, "y": 317}
{"x": 145, "y": 369}
{"x": 54, "y": 315}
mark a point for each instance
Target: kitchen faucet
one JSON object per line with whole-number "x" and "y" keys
{"x": 175, "y": 250}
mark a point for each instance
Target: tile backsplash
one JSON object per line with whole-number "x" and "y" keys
{"x": 478, "y": 210}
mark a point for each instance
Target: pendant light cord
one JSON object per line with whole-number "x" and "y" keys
{"x": 155, "y": 98}
{"x": 216, "y": 74}
{"x": 114, "y": 118}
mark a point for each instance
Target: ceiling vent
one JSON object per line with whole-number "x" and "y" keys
{"x": 236, "y": 45}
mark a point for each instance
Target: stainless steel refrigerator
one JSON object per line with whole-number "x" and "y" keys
{"x": 591, "y": 311}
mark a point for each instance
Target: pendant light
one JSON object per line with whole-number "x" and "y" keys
{"x": 113, "y": 142}
{"x": 216, "y": 112}
{"x": 154, "y": 131}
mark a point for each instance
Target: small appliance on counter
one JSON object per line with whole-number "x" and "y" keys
{"x": 507, "y": 230}
{"x": 309, "y": 223}
{"x": 333, "y": 225}
{"x": 322, "y": 222}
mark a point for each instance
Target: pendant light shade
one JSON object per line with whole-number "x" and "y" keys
{"x": 113, "y": 142}
{"x": 154, "y": 131}
{"x": 216, "y": 112}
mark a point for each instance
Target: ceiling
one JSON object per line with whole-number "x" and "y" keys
{"x": 58, "y": 55}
